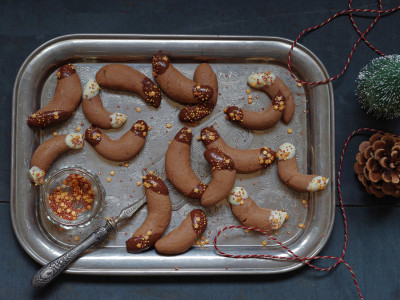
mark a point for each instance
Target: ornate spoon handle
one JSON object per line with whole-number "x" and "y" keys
{"x": 50, "y": 271}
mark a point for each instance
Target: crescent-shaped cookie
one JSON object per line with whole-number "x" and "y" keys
{"x": 48, "y": 151}
{"x": 177, "y": 86}
{"x": 66, "y": 99}
{"x": 94, "y": 110}
{"x": 251, "y": 215}
{"x": 223, "y": 177}
{"x": 196, "y": 112}
{"x": 246, "y": 161}
{"x": 159, "y": 215}
{"x": 177, "y": 166}
{"x": 126, "y": 78}
{"x": 122, "y": 149}
{"x": 281, "y": 107}
{"x": 182, "y": 238}
{"x": 288, "y": 172}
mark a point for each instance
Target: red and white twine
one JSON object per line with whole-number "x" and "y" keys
{"x": 350, "y": 12}
{"x": 295, "y": 257}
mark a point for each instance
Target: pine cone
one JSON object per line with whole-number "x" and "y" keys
{"x": 378, "y": 165}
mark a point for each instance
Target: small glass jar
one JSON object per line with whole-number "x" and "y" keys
{"x": 71, "y": 197}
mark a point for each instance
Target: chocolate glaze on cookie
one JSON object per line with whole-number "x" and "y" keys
{"x": 152, "y": 92}
{"x": 199, "y": 221}
{"x": 202, "y": 92}
{"x": 218, "y": 160}
{"x": 93, "y": 135}
{"x": 184, "y": 136}
{"x": 46, "y": 118}
{"x": 66, "y": 71}
{"x": 246, "y": 160}
{"x": 160, "y": 63}
{"x": 267, "y": 157}
{"x": 141, "y": 242}
{"x": 155, "y": 183}
{"x": 140, "y": 128}
{"x": 197, "y": 191}
{"x": 209, "y": 135}
{"x": 234, "y": 114}
{"x": 195, "y": 113}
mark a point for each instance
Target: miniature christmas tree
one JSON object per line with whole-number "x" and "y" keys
{"x": 379, "y": 87}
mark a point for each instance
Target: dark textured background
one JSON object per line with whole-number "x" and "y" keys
{"x": 374, "y": 236}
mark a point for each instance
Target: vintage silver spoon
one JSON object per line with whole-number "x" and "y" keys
{"x": 54, "y": 268}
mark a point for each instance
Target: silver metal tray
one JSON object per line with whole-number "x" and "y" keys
{"x": 233, "y": 58}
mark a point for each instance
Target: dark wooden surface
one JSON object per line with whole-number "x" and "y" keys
{"x": 374, "y": 234}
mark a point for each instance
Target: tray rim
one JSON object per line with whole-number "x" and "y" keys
{"x": 85, "y": 36}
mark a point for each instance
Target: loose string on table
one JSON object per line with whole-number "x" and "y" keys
{"x": 362, "y": 37}
{"x": 295, "y": 257}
